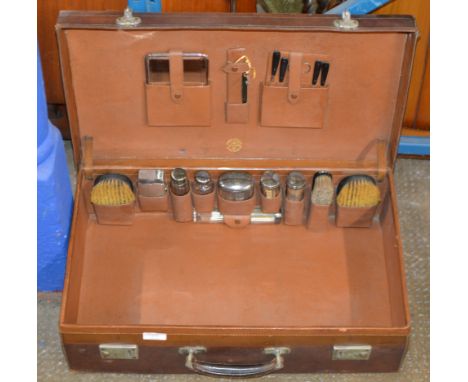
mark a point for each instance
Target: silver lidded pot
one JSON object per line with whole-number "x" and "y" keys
{"x": 236, "y": 186}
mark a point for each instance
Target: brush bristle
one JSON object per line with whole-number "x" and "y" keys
{"x": 322, "y": 193}
{"x": 112, "y": 192}
{"x": 358, "y": 192}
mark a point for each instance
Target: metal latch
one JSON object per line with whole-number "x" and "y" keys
{"x": 346, "y": 22}
{"x": 128, "y": 20}
{"x": 351, "y": 352}
{"x": 118, "y": 351}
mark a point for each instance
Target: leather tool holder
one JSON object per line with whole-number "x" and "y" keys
{"x": 318, "y": 218}
{"x": 115, "y": 215}
{"x": 236, "y": 110}
{"x": 271, "y": 205}
{"x": 364, "y": 217}
{"x": 177, "y": 103}
{"x": 150, "y": 198}
{"x": 153, "y": 203}
{"x": 294, "y": 212}
{"x": 182, "y": 208}
{"x": 164, "y": 92}
{"x": 295, "y": 102}
{"x": 237, "y": 213}
{"x": 204, "y": 203}
{"x": 111, "y": 214}
{"x": 348, "y": 217}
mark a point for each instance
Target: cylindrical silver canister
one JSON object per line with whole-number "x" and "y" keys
{"x": 203, "y": 183}
{"x": 179, "y": 182}
{"x": 270, "y": 184}
{"x": 236, "y": 186}
{"x": 295, "y": 186}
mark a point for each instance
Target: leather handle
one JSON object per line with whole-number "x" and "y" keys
{"x": 295, "y": 73}
{"x": 234, "y": 371}
{"x": 176, "y": 75}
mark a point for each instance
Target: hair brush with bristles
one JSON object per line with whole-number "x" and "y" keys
{"x": 358, "y": 191}
{"x": 112, "y": 190}
{"x": 323, "y": 190}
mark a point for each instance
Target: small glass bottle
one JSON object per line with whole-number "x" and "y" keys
{"x": 295, "y": 186}
{"x": 203, "y": 184}
{"x": 270, "y": 184}
{"x": 179, "y": 182}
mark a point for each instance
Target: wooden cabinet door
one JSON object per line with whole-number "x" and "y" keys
{"x": 417, "y": 110}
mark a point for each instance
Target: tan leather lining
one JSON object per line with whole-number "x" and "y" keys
{"x": 362, "y": 93}
{"x": 159, "y": 267}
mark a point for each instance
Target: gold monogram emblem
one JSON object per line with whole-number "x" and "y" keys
{"x": 234, "y": 145}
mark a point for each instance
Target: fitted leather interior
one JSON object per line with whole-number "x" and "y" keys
{"x": 108, "y": 80}
{"x": 161, "y": 272}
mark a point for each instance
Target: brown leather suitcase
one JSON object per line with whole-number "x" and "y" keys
{"x": 157, "y": 295}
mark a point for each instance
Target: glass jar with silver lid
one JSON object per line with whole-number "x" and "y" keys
{"x": 203, "y": 183}
{"x": 295, "y": 186}
{"x": 236, "y": 186}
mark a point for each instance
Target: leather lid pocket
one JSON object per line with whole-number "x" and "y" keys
{"x": 178, "y": 92}
{"x": 306, "y": 109}
{"x": 191, "y": 107}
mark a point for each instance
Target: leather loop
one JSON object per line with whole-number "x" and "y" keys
{"x": 236, "y": 67}
{"x": 237, "y": 221}
{"x": 182, "y": 207}
{"x": 294, "y": 212}
{"x": 236, "y": 110}
{"x": 295, "y": 73}
{"x": 271, "y": 205}
{"x": 176, "y": 75}
{"x": 238, "y": 207}
{"x": 204, "y": 203}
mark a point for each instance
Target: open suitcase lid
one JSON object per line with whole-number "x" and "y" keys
{"x": 104, "y": 73}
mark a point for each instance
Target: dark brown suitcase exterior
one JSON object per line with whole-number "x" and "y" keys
{"x": 160, "y": 296}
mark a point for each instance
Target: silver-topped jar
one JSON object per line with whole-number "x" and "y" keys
{"x": 179, "y": 182}
{"x": 151, "y": 182}
{"x": 270, "y": 184}
{"x": 295, "y": 186}
{"x": 203, "y": 184}
{"x": 236, "y": 186}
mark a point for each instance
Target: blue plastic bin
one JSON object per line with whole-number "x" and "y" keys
{"x": 54, "y": 198}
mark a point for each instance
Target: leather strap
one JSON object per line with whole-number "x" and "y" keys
{"x": 176, "y": 75}
{"x": 237, "y": 221}
{"x": 236, "y": 67}
{"x": 295, "y": 73}
{"x": 234, "y": 72}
